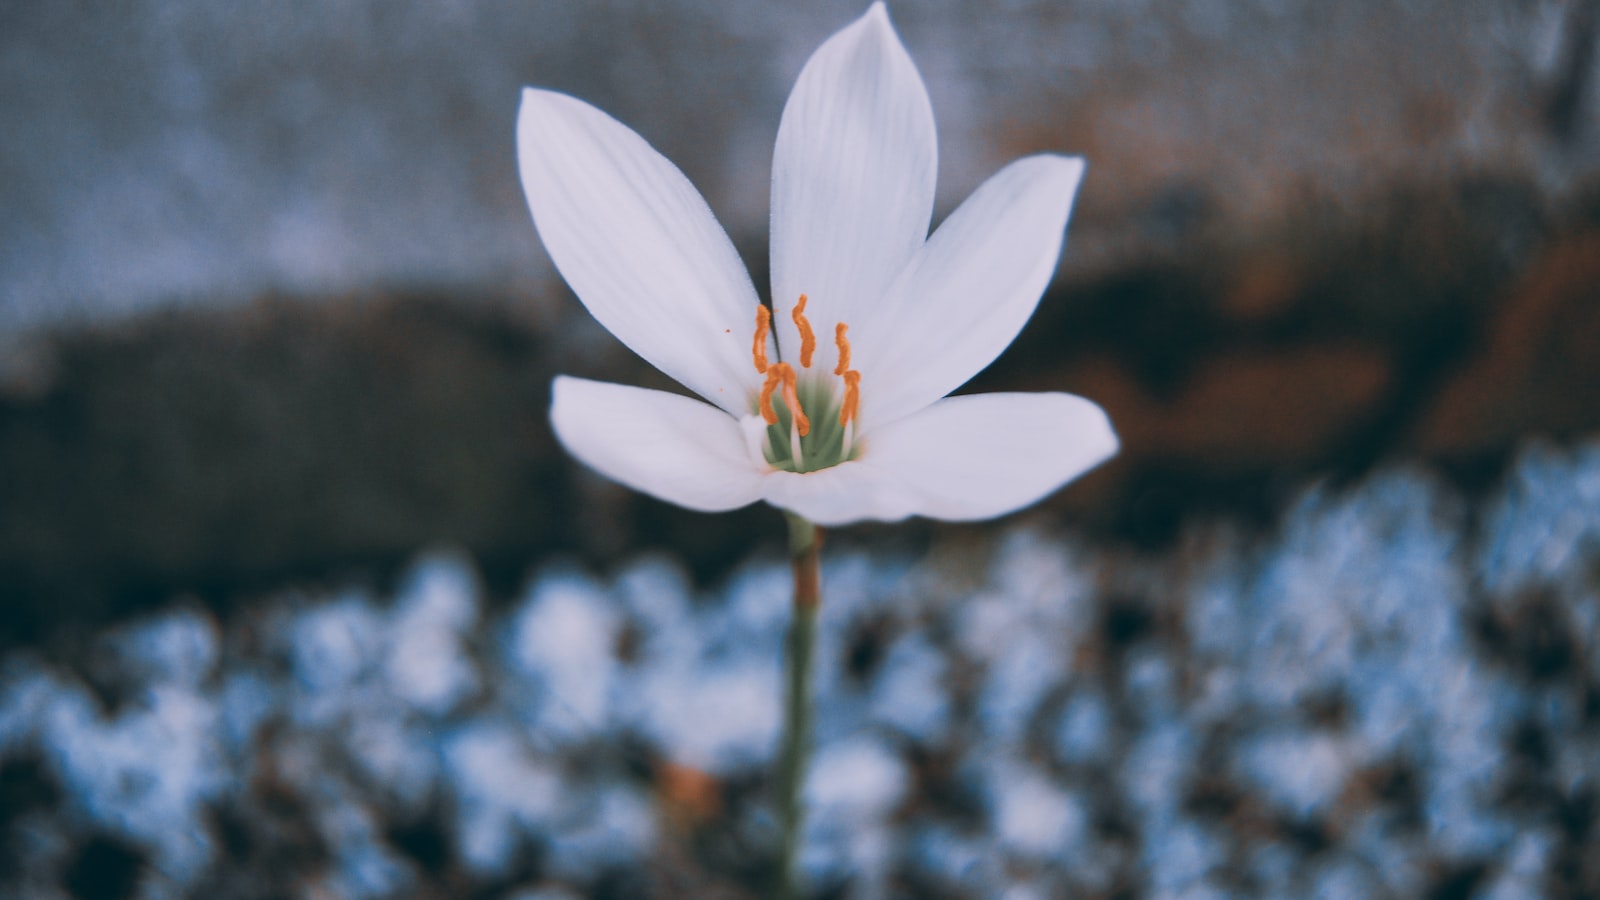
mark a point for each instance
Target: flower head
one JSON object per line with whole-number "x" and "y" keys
{"x": 828, "y": 404}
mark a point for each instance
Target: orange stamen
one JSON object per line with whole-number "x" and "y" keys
{"x": 763, "y": 328}
{"x": 774, "y": 376}
{"x": 852, "y": 392}
{"x": 844, "y": 348}
{"x": 791, "y": 396}
{"x": 808, "y": 340}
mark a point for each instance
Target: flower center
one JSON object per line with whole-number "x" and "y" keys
{"x": 798, "y": 441}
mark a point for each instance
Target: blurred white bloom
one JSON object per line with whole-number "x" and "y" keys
{"x": 856, "y": 428}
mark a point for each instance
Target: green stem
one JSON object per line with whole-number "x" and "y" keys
{"x": 805, "y": 544}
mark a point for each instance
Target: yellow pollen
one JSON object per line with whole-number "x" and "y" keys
{"x": 763, "y": 328}
{"x": 791, "y": 396}
{"x": 852, "y": 392}
{"x": 808, "y": 340}
{"x": 844, "y": 348}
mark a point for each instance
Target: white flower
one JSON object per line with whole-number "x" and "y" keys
{"x": 901, "y": 318}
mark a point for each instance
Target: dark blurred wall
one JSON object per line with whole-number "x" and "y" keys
{"x": 176, "y": 150}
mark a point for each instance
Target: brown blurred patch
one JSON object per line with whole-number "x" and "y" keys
{"x": 1242, "y": 408}
{"x": 1264, "y": 290}
{"x": 1540, "y": 369}
{"x": 689, "y": 797}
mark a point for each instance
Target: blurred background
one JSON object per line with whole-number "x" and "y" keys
{"x": 298, "y": 596}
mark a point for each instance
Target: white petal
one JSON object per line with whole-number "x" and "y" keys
{"x": 849, "y": 492}
{"x": 852, "y": 178}
{"x": 969, "y": 290}
{"x": 638, "y": 245}
{"x": 671, "y": 447}
{"x": 961, "y": 459}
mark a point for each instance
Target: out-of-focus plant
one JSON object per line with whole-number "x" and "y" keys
{"x": 859, "y": 428}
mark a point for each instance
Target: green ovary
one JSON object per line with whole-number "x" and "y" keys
{"x": 825, "y": 446}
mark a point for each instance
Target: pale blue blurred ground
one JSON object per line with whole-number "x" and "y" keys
{"x": 1073, "y": 762}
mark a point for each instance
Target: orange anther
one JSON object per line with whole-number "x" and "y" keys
{"x": 774, "y": 376}
{"x": 844, "y": 348}
{"x": 852, "y": 396}
{"x": 808, "y": 340}
{"x": 791, "y": 396}
{"x": 763, "y": 328}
